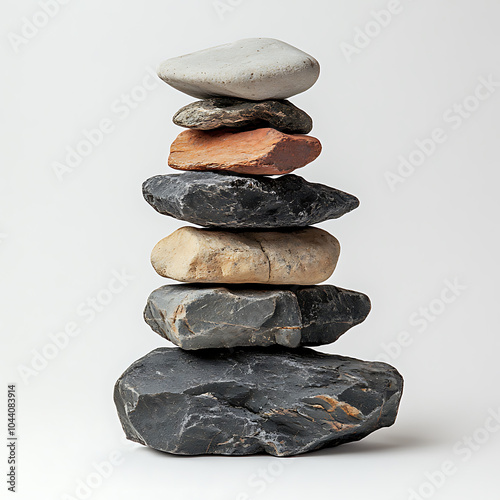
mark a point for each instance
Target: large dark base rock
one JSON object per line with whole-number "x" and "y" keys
{"x": 194, "y": 317}
{"x": 278, "y": 401}
{"x": 242, "y": 202}
{"x": 221, "y": 112}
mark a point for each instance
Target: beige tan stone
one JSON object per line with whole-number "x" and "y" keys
{"x": 302, "y": 257}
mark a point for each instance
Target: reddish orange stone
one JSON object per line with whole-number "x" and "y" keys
{"x": 264, "y": 151}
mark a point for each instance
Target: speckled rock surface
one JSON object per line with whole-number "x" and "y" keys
{"x": 223, "y": 317}
{"x": 264, "y": 151}
{"x": 301, "y": 257}
{"x": 254, "y": 68}
{"x": 278, "y": 401}
{"x": 214, "y": 199}
{"x": 221, "y": 112}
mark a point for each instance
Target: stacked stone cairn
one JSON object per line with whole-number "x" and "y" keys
{"x": 241, "y": 380}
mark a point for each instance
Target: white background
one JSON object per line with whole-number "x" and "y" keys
{"x": 61, "y": 240}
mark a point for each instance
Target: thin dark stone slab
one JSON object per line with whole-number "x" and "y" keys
{"x": 216, "y": 113}
{"x": 242, "y": 202}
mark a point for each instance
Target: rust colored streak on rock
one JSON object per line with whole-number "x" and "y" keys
{"x": 345, "y": 407}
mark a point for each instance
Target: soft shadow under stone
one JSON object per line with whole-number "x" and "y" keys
{"x": 246, "y": 401}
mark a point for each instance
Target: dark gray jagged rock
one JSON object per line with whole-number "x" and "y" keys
{"x": 221, "y": 112}
{"x": 242, "y": 202}
{"x": 282, "y": 402}
{"x": 194, "y": 317}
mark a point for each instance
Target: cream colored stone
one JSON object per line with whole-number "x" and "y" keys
{"x": 302, "y": 257}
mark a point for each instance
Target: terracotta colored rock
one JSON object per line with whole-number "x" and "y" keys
{"x": 263, "y": 151}
{"x": 303, "y": 257}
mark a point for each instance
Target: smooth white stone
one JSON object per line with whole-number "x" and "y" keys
{"x": 254, "y": 68}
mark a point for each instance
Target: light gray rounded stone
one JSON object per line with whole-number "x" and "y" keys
{"x": 254, "y": 68}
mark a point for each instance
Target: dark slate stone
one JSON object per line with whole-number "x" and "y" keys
{"x": 242, "y": 202}
{"x": 278, "y": 401}
{"x": 221, "y": 112}
{"x": 194, "y": 317}
{"x": 328, "y": 312}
